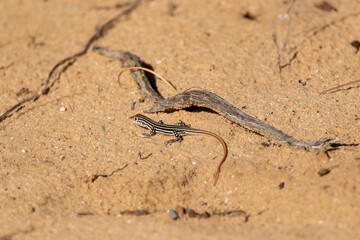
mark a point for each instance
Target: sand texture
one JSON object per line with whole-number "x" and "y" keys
{"x": 72, "y": 167}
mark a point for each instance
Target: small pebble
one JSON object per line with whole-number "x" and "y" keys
{"x": 324, "y": 171}
{"x": 62, "y": 109}
{"x": 173, "y": 214}
{"x": 204, "y": 215}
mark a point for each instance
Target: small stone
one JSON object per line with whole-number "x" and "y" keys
{"x": 356, "y": 44}
{"x": 173, "y": 214}
{"x": 324, "y": 171}
{"x": 62, "y": 109}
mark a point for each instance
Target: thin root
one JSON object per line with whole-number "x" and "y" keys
{"x": 147, "y": 70}
{"x": 340, "y": 86}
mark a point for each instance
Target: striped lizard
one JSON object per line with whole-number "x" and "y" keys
{"x": 178, "y": 131}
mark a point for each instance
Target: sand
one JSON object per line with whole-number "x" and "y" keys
{"x": 72, "y": 166}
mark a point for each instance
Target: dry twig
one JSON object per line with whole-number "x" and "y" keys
{"x": 338, "y": 88}
{"x": 288, "y": 14}
{"x": 98, "y": 34}
{"x": 203, "y": 98}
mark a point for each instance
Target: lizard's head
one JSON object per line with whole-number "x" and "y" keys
{"x": 135, "y": 118}
{"x": 141, "y": 120}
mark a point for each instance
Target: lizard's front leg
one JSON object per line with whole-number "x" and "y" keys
{"x": 147, "y": 135}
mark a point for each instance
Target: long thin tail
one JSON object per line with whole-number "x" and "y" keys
{"x": 217, "y": 173}
{"x": 223, "y": 143}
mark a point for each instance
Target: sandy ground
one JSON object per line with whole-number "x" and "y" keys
{"x": 266, "y": 190}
